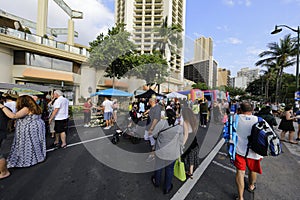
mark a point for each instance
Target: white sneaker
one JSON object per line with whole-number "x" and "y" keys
{"x": 85, "y": 125}
{"x": 150, "y": 158}
{"x": 108, "y": 127}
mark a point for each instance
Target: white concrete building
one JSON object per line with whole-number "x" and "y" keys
{"x": 241, "y": 82}
{"x": 36, "y": 60}
{"x": 141, "y": 17}
{"x": 250, "y": 74}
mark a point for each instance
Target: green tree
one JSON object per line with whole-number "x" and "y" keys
{"x": 234, "y": 92}
{"x": 169, "y": 39}
{"x": 111, "y": 52}
{"x": 279, "y": 56}
{"x": 258, "y": 88}
{"x": 150, "y": 67}
{"x": 200, "y": 85}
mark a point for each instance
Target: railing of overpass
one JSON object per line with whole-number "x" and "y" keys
{"x": 44, "y": 41}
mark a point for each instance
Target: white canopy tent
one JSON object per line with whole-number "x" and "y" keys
{"x": 176, "y": 95}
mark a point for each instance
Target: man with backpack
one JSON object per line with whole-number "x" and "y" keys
{"x": 243, "y": 158}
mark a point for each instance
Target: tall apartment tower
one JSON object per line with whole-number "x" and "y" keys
{"x": 223, "y": 77}
{"x": 142, "y": 17}
{"x": 203, "y": 63}
{"x": 203, "y": 49}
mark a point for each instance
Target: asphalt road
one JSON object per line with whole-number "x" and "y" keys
{"x": 84, "y": 171}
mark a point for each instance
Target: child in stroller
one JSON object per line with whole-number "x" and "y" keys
{"x": 134, "y": 126}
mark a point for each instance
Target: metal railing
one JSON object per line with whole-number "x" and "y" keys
{"x": 44, "y": 41}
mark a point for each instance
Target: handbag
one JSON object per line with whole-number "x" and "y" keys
{"x": 179, "y": 170}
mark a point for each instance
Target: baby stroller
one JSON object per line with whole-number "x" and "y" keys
{"x": 135, "y": 126}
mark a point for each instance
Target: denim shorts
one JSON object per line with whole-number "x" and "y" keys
{"x": 107, "y": 115}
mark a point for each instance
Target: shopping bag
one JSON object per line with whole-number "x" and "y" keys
{"x": 179, "y": 171}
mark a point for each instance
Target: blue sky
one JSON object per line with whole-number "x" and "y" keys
{"x": 240, "y": 29}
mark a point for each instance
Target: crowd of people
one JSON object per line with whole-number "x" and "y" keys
{"x": 25, "y": 116}
{"x": 171, "y": 129}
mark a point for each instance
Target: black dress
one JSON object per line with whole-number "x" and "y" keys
{"x": 191, "y": 154}
{"x": 286, "y": 125}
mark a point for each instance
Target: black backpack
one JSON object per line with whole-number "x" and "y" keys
{"x": 263, "y": 140}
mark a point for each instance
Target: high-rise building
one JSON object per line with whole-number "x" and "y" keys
{"x": 251, "y": 75}
{"x": 141, "y": 17}
{"x": 203, "y": 49}
{"x": 204, "y": 67}
{"x": 223, "y": 77}
{"x": 202, "y": 71}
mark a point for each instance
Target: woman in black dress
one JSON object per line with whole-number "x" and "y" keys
{"x": 286, "y": 125}
{"x": 190, "y": 156}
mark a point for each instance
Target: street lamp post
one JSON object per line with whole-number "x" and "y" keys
{"x": 277, "y": 30}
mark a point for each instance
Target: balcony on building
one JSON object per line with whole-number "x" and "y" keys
{"x": 43, "y": 41}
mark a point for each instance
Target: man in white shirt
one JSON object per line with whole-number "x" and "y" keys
{"x": 60, "y": 115}
{"x": 245, "y": 122}
{"x": 10, "y": 102}
{"x": 107, "y": 104}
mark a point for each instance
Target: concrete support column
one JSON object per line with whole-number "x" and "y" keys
{"x": 70, "y": 32}
{"x": 88, "y": 81}
{"x": 6, "y": 63}
{"x": 42, "y": 17}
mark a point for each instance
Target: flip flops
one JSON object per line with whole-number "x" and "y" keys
{"x": 293, "y": 142}
{"x": 249, "y": 189}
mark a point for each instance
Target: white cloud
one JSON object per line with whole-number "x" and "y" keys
{"x": 96, "y": 16}
{"x": 254, "y": 51}
{"x": 223, "y": 28}
{"x": 238, "y": 2}
{"x": 248, "y": 2}
{"x": 229, "y": 2}
{"x": 198, "y": 35}
{"x": 233, "y": 40}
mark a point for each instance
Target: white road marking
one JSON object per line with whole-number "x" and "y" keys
{"x": 222, "y": 153}
{"x": 190, "y": 183}
{"x": 83, "y": 142}
{"x": 226, "y": 167}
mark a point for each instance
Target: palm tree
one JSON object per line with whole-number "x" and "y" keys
{"x": 169, "y": 39}
{"x": 280, "y": 56}
{"x": 270, "y": 75}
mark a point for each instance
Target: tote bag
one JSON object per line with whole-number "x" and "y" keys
{"x": 179, "y": 171}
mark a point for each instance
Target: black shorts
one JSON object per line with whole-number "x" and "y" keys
{"x": 1, "y": 149}
{"x": 61, "y": 126}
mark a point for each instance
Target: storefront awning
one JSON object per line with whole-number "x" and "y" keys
{"x": 43, "y": 74}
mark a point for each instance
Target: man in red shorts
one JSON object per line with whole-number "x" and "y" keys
{"x": 245, "y": 123}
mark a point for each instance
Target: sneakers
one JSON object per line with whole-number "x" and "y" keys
{"x": 85, "y": 125}
{"x": 150, "y": 158}
{"x": 108, "y": 127}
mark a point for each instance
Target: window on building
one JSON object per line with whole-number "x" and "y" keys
{"x": 62, "y": 65}
{"x": 32, "y": 59}
{"x": 19, "y": 58}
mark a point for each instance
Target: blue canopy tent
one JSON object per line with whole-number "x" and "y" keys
{"x": 112, "y": 92}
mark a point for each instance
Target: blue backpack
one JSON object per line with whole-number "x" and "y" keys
{"x": 263, "y": 140}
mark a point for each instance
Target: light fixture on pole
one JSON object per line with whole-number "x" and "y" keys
{"x": 277, "y": 30}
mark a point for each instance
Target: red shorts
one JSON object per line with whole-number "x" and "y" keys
{"x": 253, "y": 165}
